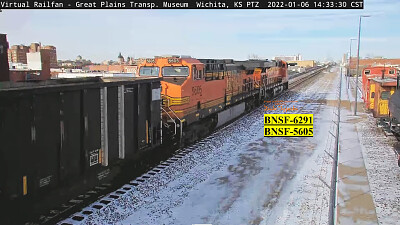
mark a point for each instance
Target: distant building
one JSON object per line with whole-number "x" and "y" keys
{"x": 303, "y": 63}
{"x": 18, "y": 66}
{"x": 34, "y": 47}
{"x": 121, "y": 59}
{"x": 297, "y": 57}
{"x": 372, "y": 62}
{"x": 37, "y": 68}
{"x": 40, "y": 61}
{"x": 344, "y": 59}
{"x": 78, "y": 63}
{"x": 114, "y": 68}
{"x": 52, "y": 53}
{"x": 24, "y": 65}
{"x": 17, "y": 54}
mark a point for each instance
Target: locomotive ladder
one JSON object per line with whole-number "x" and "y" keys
{"x": 173, "y": 120}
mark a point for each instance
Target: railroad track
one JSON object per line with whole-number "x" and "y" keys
{"x": 123, "y": 193}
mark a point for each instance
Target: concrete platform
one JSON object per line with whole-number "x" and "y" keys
{"x": 355, "y": 203}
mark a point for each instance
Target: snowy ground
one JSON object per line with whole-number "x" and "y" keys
{"x": 383, "y": 172}
{"x": 238, "y": 176}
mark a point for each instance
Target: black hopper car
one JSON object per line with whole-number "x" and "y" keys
{"x": 61, "y": 137}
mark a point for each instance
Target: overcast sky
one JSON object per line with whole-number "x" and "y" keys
{"x": 101, "y": 34}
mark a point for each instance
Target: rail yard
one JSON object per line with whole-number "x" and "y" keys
{"x": 210, "y": 165}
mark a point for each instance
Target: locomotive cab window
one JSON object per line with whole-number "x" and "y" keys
{"x": 367, "y": 72}
{"x": 149, "y": 71}
{"x": 373, "y": 95}
{"x": 197, "y": 74}
{"x": 391, "y": 71}
{"x": 181, "y": 71}
{"x": 385, "y": 95}
{"x": 194, "y": 72}
{"x": 249, "y": 72}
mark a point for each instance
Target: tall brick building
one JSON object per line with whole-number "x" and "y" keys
{"x": 17, "y": 54}
{"x": 53, "y": 55}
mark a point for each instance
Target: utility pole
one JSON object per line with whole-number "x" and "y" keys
{"x": 349, "y": 69}
{"x": 358, "y": 62}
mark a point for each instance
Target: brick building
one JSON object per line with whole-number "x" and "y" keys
{"x": 52, "y": 51}
{"x": 17, "y": 54}
{"x": 372, "y": 62}
{"x": 37, "y": 63}
{"x": 34, "y": 47}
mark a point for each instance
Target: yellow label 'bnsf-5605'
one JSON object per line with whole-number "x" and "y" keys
{"x": 288, "y": 125}
{"x": 288, "y": 131}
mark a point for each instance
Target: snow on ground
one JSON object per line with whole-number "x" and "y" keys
{"x": 381, "y": 164}
{"x": 238, "y": 176}
{"x": 306, "y": 199}
{"x": 383, "y": 171}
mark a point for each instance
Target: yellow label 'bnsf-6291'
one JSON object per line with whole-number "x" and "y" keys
{"x": 288, "y": 125}
{"x": 288, "y": 119}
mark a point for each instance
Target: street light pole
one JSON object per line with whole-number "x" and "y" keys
{"x": 358, "y": 62}
{"x": 349, "y": 69}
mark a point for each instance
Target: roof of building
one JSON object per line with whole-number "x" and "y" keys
{"x": 386, "y": 81}
{"x": 374, "y": 62}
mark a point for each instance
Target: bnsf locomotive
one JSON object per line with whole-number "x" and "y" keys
{"x": 202, "y": 94}
{"x": 60, "y": 138}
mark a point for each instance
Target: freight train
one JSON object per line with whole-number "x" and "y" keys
{"x": 59, "y": 138}
{"x": 203, "y": 94}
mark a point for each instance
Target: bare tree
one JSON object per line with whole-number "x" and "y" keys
{"x": 253, "y": 56}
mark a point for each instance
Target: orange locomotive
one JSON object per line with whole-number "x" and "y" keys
{"x": 212, "y": 91}
{"x": 368, "y": 89}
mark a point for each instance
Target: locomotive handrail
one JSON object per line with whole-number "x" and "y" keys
{"x": 170, "y": 117}
{"x": 180, "y": 121}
